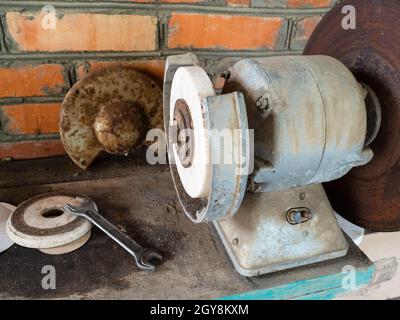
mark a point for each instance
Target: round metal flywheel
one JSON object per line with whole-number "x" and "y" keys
{"x": 370, "y": 195}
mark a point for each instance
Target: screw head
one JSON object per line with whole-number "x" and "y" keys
{"x": 263, "y": 103}
{"x": 297, "y": 217}
{"x": 235, "y": 241}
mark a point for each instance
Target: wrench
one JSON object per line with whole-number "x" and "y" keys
{"x": 89, "y": 211}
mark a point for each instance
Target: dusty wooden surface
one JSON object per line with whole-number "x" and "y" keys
{"x": 141, "y": 199}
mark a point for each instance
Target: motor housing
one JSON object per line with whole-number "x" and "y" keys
{"x": 309, "y": 119}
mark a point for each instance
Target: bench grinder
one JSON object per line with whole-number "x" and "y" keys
{"x": 293, "y": 123}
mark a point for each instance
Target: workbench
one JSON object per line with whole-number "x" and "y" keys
{"x": 141, "y": 200}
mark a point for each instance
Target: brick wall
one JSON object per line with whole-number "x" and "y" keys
{"x": 39, "y": 64}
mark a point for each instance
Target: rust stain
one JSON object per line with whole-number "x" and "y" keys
{"x": 120, "y": 127}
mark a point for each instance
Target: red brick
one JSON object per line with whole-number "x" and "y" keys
{"x": 153, "y": 68}
{"x": 173, "y": 1}
{"x": 39, "y": 80}
{"x": 34, "y": 118}
{"x": 238, "y": 3}
{"x": 83, "y": 32}
{"x": 310, "y": 3}
{"x": 197, "y": 31}
{"x": 163, "y": 1}
{"x": 31, "y": 149}
{"x": 303, "y": 31}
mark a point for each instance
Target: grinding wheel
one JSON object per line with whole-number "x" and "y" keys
{"x": 191, "y": 85}
{"x": 42, "y": 222}
{"x": 109, "y": 110}
{"x": 69, "y": 247}
{"x": 370, "y": 195}
{"x": 6, "y": 210}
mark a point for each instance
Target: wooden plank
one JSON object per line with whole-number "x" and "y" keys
{"x": 321, "y": 288}
{"x": 142, "y": 199}
{"x": 62, "y": 169}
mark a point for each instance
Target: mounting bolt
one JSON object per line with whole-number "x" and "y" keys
{"x": 235, "y": 242}
{"x": 298, "y": 215}
{"x": 302, "y": 196}
{"x": 263, "y": 103}
{"x": 226, "y": 75}
{"x": 254, "y": 187}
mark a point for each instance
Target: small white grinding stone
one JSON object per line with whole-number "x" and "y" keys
{"x": 69, "y": 247}
{"x": 193, "y": 85}
{"x": 5, "y": 211}
{"x": 44, "y": 232}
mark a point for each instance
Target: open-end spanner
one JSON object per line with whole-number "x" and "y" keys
{"x": 89, "y": 211}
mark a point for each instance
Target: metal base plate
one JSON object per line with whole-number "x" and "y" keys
{"x": 260, "y": 240}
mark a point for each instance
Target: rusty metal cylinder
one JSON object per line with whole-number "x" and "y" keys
{"x": 309, "y": 119}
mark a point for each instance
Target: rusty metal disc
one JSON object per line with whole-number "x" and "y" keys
{"x": 370, "y": 195}
{"x": 109, "y": 110}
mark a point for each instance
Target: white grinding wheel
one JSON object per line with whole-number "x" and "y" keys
{"x": 69, "y": 247}
{"x": 192, "y": 85}
{"x": 41, "y": 222}
{"x": 5, "y": 212}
